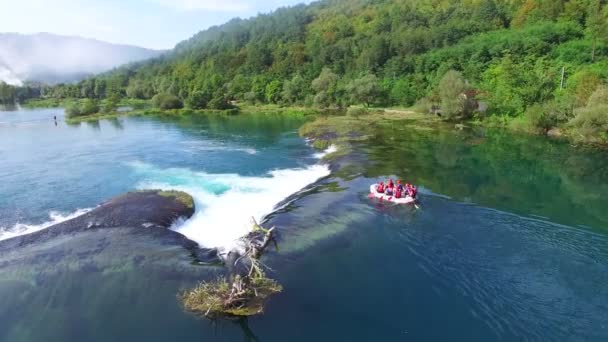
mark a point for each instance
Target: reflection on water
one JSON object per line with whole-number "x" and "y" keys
{"x": 524, "y": 174}
{"x": 353, "y": 269}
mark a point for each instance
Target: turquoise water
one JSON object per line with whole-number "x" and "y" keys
{"x": 510, "y": 244}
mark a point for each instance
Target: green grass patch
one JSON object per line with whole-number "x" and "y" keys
{"x": 180, "y": 196}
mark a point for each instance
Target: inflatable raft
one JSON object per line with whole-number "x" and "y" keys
{"x": 404, "y": 200}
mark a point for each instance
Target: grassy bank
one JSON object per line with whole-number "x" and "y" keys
{"x": 242, "y": 109}
{"x": 343, "y": 130}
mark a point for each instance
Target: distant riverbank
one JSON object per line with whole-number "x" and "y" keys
{"x": 353, "y": 121}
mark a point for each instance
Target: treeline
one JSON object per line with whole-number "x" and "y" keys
{"x": 10, "y": 94}
{"x": 507, "y": 54}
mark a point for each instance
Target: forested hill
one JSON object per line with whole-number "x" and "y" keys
{"x": 388, "y": 52}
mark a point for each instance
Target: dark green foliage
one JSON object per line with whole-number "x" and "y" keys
{"x": 198, "y": 100}
{"x": 7, "y": 94}
{"x": 295, "y": 90}
{"x": 510, "y": 52}
{"x": 10, "y": 95}
{"x": 167, "y": 101}
{"x": 220, "y": 102}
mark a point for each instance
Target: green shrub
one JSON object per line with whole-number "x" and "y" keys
{"x": 88, "y": 107}
{"x": 72, "y": 110}
{"x": 591, "y": 121}
{"x": 167, "y": 101}
{"x": 598, "y": 97}
{"x": 111, "y": 104}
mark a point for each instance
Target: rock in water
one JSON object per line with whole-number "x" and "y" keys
{"x": 154, "y": 211}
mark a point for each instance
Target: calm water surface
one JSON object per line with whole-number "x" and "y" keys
{"x": 510, "y": 243}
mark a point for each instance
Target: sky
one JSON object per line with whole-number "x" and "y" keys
{"x": 157, "y": 24}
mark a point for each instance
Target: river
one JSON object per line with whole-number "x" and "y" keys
{"x": 510, "y": 242}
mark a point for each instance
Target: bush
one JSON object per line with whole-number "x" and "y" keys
{"x": 598, "y": 97}
{"x": 72, "y": 110}
{"x": 167, "y": 101}
{"x": 89, "y": 107}
{"x": 591, "y": 122}
{"x": 111, "y": 104}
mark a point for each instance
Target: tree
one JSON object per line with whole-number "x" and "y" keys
{"x": 294, "y": 90}
{"x": 597, "y": 24}
{"x": 325, "y": 87}
{"x": 364, "y": 90}
{"x": 7, "y": 94}
{"x": 452, "y": 91}
{"x": 198, "y": 100}
{"x": 167, "y": 101}
{"x": 273, "y": 91}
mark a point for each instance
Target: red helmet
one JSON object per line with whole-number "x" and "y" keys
{"x": 399, "y": 181}
{"x": 381, "y": 183}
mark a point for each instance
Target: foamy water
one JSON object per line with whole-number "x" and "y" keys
{"x": 23, "y": 228}
{"x": 331, "y": 149}
{"x": 225, "y": 203}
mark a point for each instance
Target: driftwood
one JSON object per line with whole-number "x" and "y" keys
{"x": 246, "y": 293}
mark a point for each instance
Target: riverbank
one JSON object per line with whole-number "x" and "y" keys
{"x": 352, "y": 123}
{"x": 247, "y": 109}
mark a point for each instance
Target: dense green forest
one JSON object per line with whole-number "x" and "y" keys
{"x": 508, "y": 55}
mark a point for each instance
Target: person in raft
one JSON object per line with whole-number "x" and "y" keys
{"x": 411, "y": 190}
{"x": 380, "y": 188}
{"x": 390, "y": 189}
{"x": 398, "y": 190}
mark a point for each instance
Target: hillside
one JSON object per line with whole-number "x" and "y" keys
{"x": 52, "y": 58}
{"x": 507, "y": 54}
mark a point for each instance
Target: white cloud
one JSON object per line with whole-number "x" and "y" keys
{"x": 210, "y": 5}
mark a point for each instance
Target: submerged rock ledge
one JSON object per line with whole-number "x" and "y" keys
{"x": 154, "y": 211}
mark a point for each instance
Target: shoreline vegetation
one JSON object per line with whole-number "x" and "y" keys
{"x": 336, "y": 126}
{"x": 529, "y": 65}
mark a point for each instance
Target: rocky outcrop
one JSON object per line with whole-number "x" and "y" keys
{"x": 151, "y": 211}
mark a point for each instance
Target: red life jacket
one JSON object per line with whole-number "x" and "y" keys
{"x": 380, "y": 188}
{"x": 398, "y": 193}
